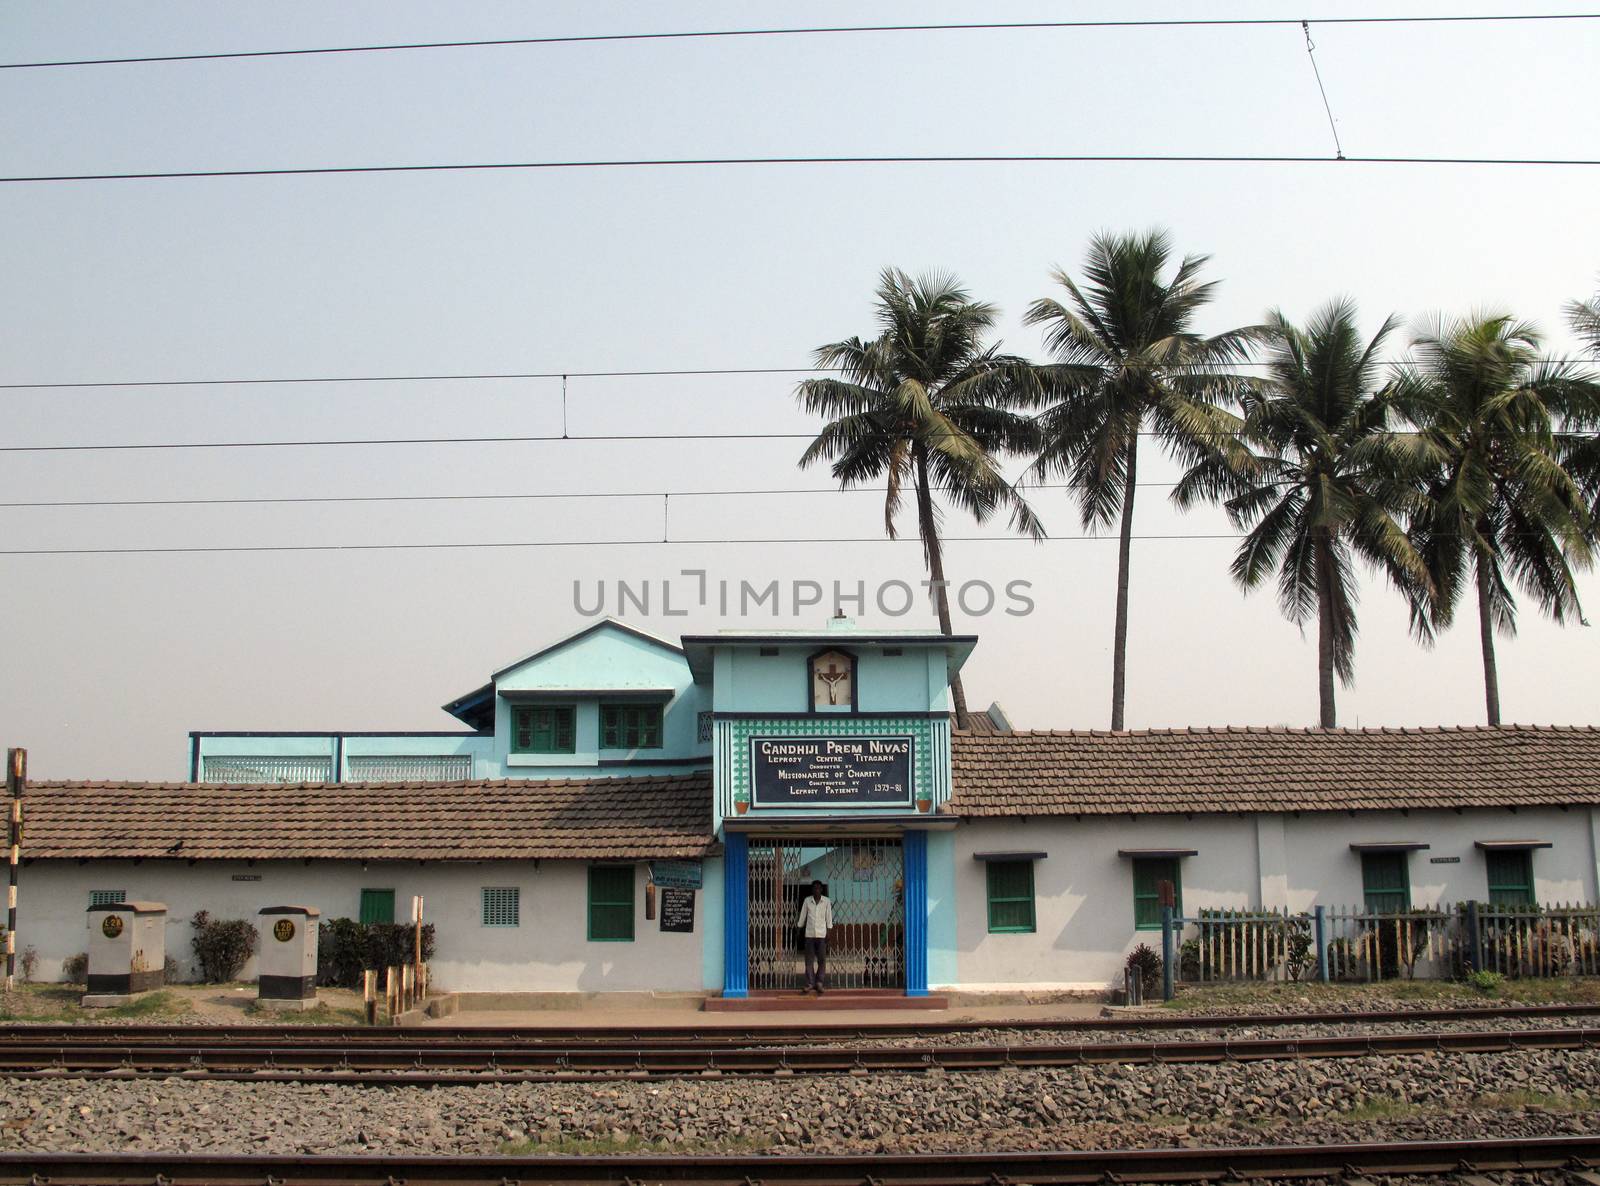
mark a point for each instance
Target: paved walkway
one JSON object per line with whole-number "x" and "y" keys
{"x": 624, "y": 1017}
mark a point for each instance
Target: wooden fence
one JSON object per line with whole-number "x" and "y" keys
{"x": 1348, "y": 944}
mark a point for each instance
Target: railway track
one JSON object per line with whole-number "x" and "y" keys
{"x": 387, "y": 1061}
{"x": 1573, "y": 1156}
{"x": 811, "y": 1033}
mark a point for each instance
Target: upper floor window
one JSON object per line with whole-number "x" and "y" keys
{"x": 630, "y": 726}
{"x": 543, "y": 729}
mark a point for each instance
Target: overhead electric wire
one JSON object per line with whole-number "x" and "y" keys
{"x": 1022, "y": 487}
{"x": 816, "y": 30}
{"x": 539, "y": 438}
{"x": 492, "y": 376}
{"x": 928, "y": 159}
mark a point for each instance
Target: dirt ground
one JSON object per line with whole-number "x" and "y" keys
{"x": 188, "y": 1004}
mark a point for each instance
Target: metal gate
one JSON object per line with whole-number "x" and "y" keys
{"x": 863, "y": 877}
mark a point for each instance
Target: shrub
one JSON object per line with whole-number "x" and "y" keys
{"x": 1189, "y": 960}
{"x": 75, "y": 969}
{"x": 345, "y": 948}
{"x": 1488, "y": 983}
{"x": 221, "y": 946}
{"x": 1300, "y": 956}
{"x": 1145, "y": 962}
{"x": 30, "y": 963}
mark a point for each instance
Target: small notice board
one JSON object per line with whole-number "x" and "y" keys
{"x": 677, "y": 910}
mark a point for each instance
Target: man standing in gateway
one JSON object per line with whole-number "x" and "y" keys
{"x": 815, "y": 921}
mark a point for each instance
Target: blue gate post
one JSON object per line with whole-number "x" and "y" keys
{"x": 735, "y": 915}
{"x": 914, "y": 848}
{"x": 1167, "y": 952}
{"x": 1321, "y": 933}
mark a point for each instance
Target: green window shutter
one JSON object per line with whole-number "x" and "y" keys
{"x": 107, "y": 897}
{"x": 611, "y": 903}
{"x": 543, "y": 729}
{"x": 502, "y": 906}
{"x": 630, "y": 726}
{"x": 1148, "y": 874}
{"x": 1385, "y": 882}
{"x": 1510, "y": 878}
{"x": 377, "y": 905}
{"x": 1010, "y": 896}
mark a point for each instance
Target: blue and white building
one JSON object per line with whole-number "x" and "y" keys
{"x": 622, "y": 812}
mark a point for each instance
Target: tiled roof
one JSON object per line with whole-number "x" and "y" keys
{"x": 1222, "y": 770}
{"x": 600, "y": 818}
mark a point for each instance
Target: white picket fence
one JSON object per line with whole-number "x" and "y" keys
{"x": 1344, "y": 944}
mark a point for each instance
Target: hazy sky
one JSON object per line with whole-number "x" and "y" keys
{"x": 108, "y": 661}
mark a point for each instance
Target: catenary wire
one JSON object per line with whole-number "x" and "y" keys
{"x": 542, "y": 438}
{"x": 1022, "y": 487}
{"x": 818, "y": 30}
{"x": 488, "y": 376}
{"x": 698, "y": 162}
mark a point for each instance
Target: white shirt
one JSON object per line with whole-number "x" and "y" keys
{"x": 816, "y": 916}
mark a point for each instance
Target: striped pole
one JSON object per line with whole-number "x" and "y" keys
{"x": 16, "y": 780}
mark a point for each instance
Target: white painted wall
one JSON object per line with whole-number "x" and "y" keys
{"x": 548, "y": 952}
{"x": 1084, "y": 891}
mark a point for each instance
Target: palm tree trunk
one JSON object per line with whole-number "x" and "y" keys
{"x": 1491, "y": 675}
{"x": 941, "y": 595}
{"x": 1323, "y": 560}
{"x": 1119, "y": 641}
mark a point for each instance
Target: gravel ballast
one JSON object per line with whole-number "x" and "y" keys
{"x": 1422, "y": 1096}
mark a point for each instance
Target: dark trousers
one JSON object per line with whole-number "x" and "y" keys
{"x": 816, "y": 955}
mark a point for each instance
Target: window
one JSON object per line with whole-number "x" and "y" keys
{"x": 1510, "y": 878}
{"x": 543, "y": 729}
{"x": 611, "y": 903}
{"x": 1010, "y": 896}
{"x": 377, "y": 905}
{"x": 630, "y": 726}
{"x": 1385, "y": 882}
{"x": 1148, "y": 874}
{"x": 502, "y": 906}
{"x": 107, "y": 897}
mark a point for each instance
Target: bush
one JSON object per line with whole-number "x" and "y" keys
{"x": 1488, "y": 983}
{"x": 1300, "y": 956}
{"x": 221, "y": 946}
{"x": 75, "y": 969}
{"x": 346, "y": 948}
{"x": 1189, "y": 960}
{"x": 30, "y": 963}
{"x": 1145, "y": 962}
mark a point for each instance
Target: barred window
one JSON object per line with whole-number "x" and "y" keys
{"x": 704, "y": 724}
{"x": 502, "y": 906}
{"x": 107, "y": 897}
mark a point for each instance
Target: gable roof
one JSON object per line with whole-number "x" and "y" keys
{"x": 655, "y": 816}
{"x": 1183, "y": 771}
{"x": 476, "y": 708}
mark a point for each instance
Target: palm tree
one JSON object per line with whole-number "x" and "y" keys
{"x": 1580, "y": 442}
{"x": 1328, "y": 485}
{"x": 1500, "y": 505}
{"x": 926, "y": 404}
{"x": 1127, "y": 356}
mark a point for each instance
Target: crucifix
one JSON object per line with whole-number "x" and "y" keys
{"x": 833, "y": 677}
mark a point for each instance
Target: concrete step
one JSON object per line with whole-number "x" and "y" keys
{"x": 798, "y": 1002}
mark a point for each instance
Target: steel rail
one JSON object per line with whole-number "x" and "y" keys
{"x": 1055, "y": 1168}
{"x": 473, "y": 1064}
{"x": 809, "y": 1033}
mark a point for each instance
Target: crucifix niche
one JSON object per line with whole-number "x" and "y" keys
{"x": 833, "y": 681}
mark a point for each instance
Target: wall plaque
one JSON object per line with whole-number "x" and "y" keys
{"x": 677, "y": 910}
{"x": 111, "y": 926}
{"x": 830, "y": 771}
{"x": 283, "y": 930}
{"x": 1444, "y": 860}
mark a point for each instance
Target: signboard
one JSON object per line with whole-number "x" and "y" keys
{"x": 1444, "y": 860}
{"x": 678, "y": 874}
{"x": 677, "y": 910}
{"x": 830, "y": 771}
